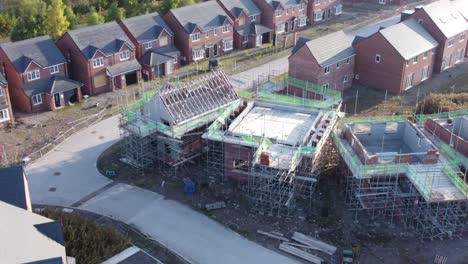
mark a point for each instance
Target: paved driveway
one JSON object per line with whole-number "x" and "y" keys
{"x": 244, "y": 79}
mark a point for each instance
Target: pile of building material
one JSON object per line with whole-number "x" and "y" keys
{"x": 302, "y": 248}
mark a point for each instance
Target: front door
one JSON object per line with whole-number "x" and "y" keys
{"x": 286, "y": 27}
{"x": 258, "y": 41}
{"x": 170, "y": 67}
{"x": 57, "y": 100}
{"x": 215, "y": 50}
{"x": 207, "y": 52}
{"x": 292, "y": 25}
{"x": 329, "y": 13}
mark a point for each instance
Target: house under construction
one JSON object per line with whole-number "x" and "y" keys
{"x": 394, "y": 171}
{"x": 273, "y": 146}
{"x": 166, "y": 125}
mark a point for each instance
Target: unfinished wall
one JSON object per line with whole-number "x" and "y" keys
{"x": 414, "y": 140}
{"x": 460, "y": 127}
{"x": 445, "y": 135}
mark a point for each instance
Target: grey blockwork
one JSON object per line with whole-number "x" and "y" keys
{"x": 460, "y": 127}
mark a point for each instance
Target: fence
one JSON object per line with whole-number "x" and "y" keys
{"x": 64, "y": 135}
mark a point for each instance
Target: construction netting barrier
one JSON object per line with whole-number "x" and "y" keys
{"x": 421, "y": 118}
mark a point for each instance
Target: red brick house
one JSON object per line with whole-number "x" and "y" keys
{"x": 37, "y": 76}
{"x": 248, "y": 32}
{"x": 379, "y": 2}
{"x": 6, "y": 113}
{"x": 102, "y": 57}
{"x": 462, "y": 7}
{"x": 283, "y": 16}
{"x": 448, "y": 27}
{"x": 323, "y": 10}
{"x": 201, "y": 31}
{"x": 396, "y": 58}
{"x": 154, "y": 44}
{"x": 318, "y": 62}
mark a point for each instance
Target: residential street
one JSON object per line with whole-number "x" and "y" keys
{"x": 185, "y": 231}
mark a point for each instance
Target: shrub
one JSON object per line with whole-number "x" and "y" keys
{"x": 85, "y": 240}
{"x": 435, "y": 103}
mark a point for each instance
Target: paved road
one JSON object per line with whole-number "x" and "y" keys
{"x": 183, "y": 230}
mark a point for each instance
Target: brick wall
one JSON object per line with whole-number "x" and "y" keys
{"x": 443, "y": 50}
{"x": 323, "y": 6}
{"x": 445, "y": 135}
{"x": 233, "y": 152}
{"x": 303, "y": 66}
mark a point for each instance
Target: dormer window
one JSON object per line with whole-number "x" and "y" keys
{"x": 54, "y": 69}
{"x": 34, "y": 75}
{"x": 301, "y": 6}
{"x": 226, "y": 28}
{"x": 124, "y": 55}
{"x": 98, "y": 62}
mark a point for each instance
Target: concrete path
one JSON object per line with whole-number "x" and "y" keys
{"x": 185, "y": 231}
{"x": 71, "y": 170}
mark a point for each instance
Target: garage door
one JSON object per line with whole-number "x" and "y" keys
{"x": 100, "y": 80}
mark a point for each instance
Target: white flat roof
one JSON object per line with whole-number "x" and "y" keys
{"x": 286, "y": 126}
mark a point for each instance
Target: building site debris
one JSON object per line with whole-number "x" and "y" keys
{"x": 272, "y": 235}
{"x": 301, "y": 245}
{"x": 440, "y": 259}
{"x": 322, "y": 246}
{"x": 214, "y": 206}
{"x": 300, "y": 253}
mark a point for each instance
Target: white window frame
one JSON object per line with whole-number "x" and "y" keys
{"x": 326, "y": 69}
{"x": 338, "y": 65}
{"x": 253, "y": 18}
{"x": 227, "y": 28}
{"x": 425, "y": 55}
{"x": 175, "y": 59}
{"x": 302, "y": 21}
{"x": 345, "y": 78}
{"x": 382, "y": 2}
{"x": 408, "y": 83}
{"x": 378, "y": 58}
{"x": 318, "y": 16}
{"x": 338, "y": 9}
{"x": 4, "y": 115}
{"x": 278, "y": 12}
{"x": 425, "y": 71}
{"x": 462, "y": 36}
{"x": 459, "y": 56}
{"x": 451, "y": 42}
{"x": 301, "y": 6}
{"x": 215, "y": 32}
{"x": 147, "y": 45}
{"x": 124, "y": 55}
{"x": 415, "y": 59}
{"x": 98, "y": 62}
{"x": 198, "y": 54}
{"x": 317, "y": 2}
{"x": 227, "y": 45}
{"x": 36, "y": 99}
{"x": 33, "y": 75}
{"x": 348, "y": 60}
{"x": 326, "y": 86}
{"x": 1, "y": 90}
{"x": 207, "y": 34}
{"x": 280, "y": 28}
{"x": 245, "y": 39}
{"x": 54, "y": 69}
{"x": 196, "y": 37}
{"x": 420, "y": 21}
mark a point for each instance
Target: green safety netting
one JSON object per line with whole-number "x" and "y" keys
{"x": 375, "y": 119}
{"x": 421, "y": 118}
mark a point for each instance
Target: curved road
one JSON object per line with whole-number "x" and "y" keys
{"x": 68, "y": 176}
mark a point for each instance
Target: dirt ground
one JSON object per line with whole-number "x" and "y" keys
{"x": 379, "y": 241}
{"x": 371, "y": 102}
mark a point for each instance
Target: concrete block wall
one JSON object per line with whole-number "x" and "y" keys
{"x": 445, "y": 135}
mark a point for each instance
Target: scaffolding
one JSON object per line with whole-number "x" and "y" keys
{"x": 407, "y": 193}
{"x": 189, "y": 109}
{"x": 272, "y": 189}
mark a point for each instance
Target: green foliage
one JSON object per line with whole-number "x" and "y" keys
{"x": 31, "y": 20}
{"x": 93, "y": 18}
{"x": 56, "y": 22}
{"x": 436, "y": 103}
{"x": 135, "y": 7}
{"x": 115, "y": 13}
{"x": 85, "y": 240}
{"x": 7, "y": 23}
{"x": 71, "y": 17}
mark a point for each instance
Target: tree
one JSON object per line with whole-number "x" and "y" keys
{"x": 31, "y": 20}
{"x": 71, "y": 17}
{"x": 56, "y": 22}
{"x": 7, "y": 23}
{"x": 185, "y": 3}
{"x": 167, "y": 5}
{"x": 134, "y": 7}
{"x": 115, "y": 13}
{"x": 93, "y": 18}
